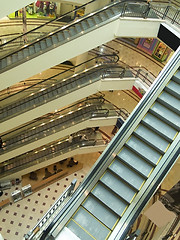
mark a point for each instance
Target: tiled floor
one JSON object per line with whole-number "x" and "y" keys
{"x": 18, "y": 218}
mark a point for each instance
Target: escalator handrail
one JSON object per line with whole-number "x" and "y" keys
{"x": 73, "y": 146}
{"x": 142, "y": 107}
{"x": 58, "y": 74}
{"x": 53, "y": 114}
{"x": 89, "y": 113}
{"x": 70, "y": 25}
{"x": 45, "y": 24}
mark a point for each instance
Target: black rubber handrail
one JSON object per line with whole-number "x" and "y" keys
{"x": 73, "y": 146}
{"x": 89, "y": 114}
{"x": 69, "y": 25}
{"x": 49, "y": 115}
{"x": 45, "y": 24}
{"x": 68, "y": 70}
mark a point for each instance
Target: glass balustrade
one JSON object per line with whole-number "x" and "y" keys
{"x": 50, "y": 151}
{"x": 53, "y": 123}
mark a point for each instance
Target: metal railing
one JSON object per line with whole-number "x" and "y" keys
{"x": 130, "y": 9}
{"x": 51, "y": 213}
{"x": 57, "y": 122}
{"x": 49, "y": 151}
{"x": 167, "y": 11}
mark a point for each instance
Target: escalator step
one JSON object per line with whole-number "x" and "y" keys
{"x": 31, "y": 50}
{"x": 103, "y": 16}
{"x": 97, "y": 19}
{"x": 20, "y": 55}
{"x": 173, "y": 88}
{"x": 66, "y": 34}
{"x": 142, "y": 149}
{"x": 151, "y": 138}
{"x": 78, "y": 231}
{"x": 60, "y": 36}
{"x": 100, "y": 211}
{"x": 159, "y": 126}
{"x": 72, "y": 31}
{"x": 109, "y": 198}
{"x": 117, "y": 186}
{"x": 25, "y": 52}
{"x": 3, "y": 62}
{"x": 14, "y": 58}
{"x": 90, "y": 21}
{"x": 84, "y": 25}
{"x": 43, "y": 44}
{"x": 78, "y": 27}
{"x": 9, "y": 60}
{"x": 110, "y": 13}
{"x": 37, "y": 47}
{"x": 95, "y": 229}
{"x": 49, "y": 42}
{"x": 169, "y": 101}
{"x": 54, "y": 39}
{"x": 176, "y": 77}
{"x": 134, "y": 161}
{"x": 129, "y": 176}
{"x": 166, "y": 115}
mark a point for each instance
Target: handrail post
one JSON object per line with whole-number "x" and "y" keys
{"x": 166, "y": 11}
{"x": 175, "y": 16}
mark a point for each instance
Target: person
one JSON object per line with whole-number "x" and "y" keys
{"x": 52, "y": 8}
{"x": 33, "y": 176}
{"x": 47, "y": 174}
{"x": 96, "y": 129}
{"x": 72, "y": 162}
{"x": 55, "y": 169}
{"x": 70, "y": 138}
{"x": 16, "y": 13}
{"x": 114, "y": 130}
{"x": 62, "y": 161}
{"x": 83, "y": 137}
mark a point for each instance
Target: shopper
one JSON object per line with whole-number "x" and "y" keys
{"x": 16, "y": 13}
{"x": 72, "y": 162}
{"x": 70, "y": 138}
{"x": 96, "y": 129}
{"x": 55, "y": 169}
{"x": 83, "y": 137}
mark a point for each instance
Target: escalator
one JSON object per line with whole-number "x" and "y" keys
{"x": 60, "y": 90}
{"x": 54, "y": 151}
{"x": 59, "y": 124}
{"x": 65, "y": 42}
{"x": 129, "y": 171}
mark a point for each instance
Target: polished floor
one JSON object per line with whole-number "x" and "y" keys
{"x": 18, "y": 218}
